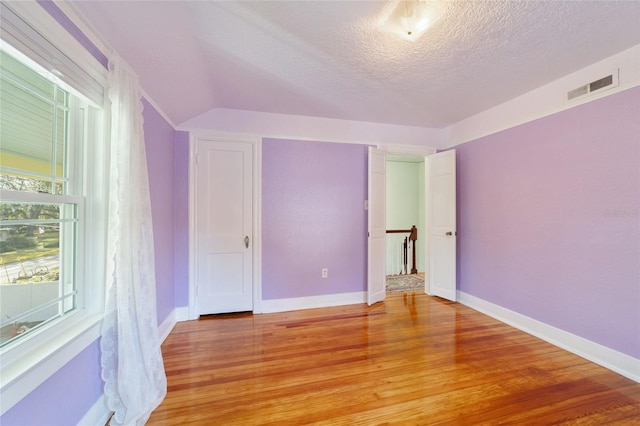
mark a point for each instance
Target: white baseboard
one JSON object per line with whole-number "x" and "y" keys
{"x": 167, "y": 325}
{"x": 97, "y": 415}
{"x": 623, "y": 364}
{"x": 182, "y": 313}
{"x": 177, "y": 315}
{"x": 310, "y": 302}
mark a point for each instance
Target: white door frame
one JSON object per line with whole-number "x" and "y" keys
{"x": 257, "y": 213}
{"x": 419, "y": 151}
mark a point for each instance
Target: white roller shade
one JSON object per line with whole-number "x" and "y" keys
{"x": 21, "y": 35}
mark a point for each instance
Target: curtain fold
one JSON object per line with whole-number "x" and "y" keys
{"x": 132, "y": 366}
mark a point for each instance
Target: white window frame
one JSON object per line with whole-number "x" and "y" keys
{"x": 26, "y": 364}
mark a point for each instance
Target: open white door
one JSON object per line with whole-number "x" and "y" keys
{"x": 442, "y": 224}
{"x": 377, "y": 227}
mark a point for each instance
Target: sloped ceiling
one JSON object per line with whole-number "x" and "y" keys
{"x": 328, "y": 58}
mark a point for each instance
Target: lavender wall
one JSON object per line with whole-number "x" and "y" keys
{"x": 313, "y": 217}
{"x": 548, "y": 220}
{"x": 181, "y": 218}
{"x": 65, "y": 397}
{"x": 159, "y": 142}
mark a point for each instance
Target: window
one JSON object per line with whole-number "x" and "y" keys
{"x": 53, "y": 192}
{"x": 41, "y": 200}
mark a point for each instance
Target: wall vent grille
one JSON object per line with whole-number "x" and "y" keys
{"x": 598, "y": 85}
{"x": 582, "y": 90}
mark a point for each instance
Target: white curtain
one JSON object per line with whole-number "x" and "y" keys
{"x": 132, "y": 367}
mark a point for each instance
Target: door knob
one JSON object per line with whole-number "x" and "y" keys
{"x": 449, "y": 233}
{"x": 246, "y": 241}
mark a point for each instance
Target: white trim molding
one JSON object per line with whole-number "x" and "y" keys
{"x": 321, "y": 129}
{"x": 193, "y": 312}
{"x": 159, "y": 110}
{"x": 415, "y": 150}
{"x": 310, "y": 302}
{"x": 167, "y": 325}
{"x": 618, "y": 362}
{"x": 182, "y": 313}
{"x": 175, "y": 316}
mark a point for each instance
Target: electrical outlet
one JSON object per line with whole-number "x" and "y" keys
{"x": 325, "y": 272}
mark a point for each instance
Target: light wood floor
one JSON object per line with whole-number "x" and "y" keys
{"x": 413, "y": 360}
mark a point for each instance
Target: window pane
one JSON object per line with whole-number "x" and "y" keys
{"x": 21, "y": 183}
{"x": 33, "y": 127}
{"x": 37, "y": 261}
{"x": 15, "y": 70}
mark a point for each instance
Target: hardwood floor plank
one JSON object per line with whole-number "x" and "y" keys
{"x": 414, "y": 359}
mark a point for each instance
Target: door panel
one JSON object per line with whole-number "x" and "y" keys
{"x": 224, "y": 268}
{"x": 443, "y": 235}
{"x": 377, "y": 227}
{"x": 224, "y": 217}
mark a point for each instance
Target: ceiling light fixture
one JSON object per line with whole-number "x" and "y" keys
{"x": 409, "y": 19}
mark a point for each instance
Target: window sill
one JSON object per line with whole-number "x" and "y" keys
{"x": 27, "y": 366}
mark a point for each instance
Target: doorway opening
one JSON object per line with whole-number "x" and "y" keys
{"x": 405, "y": 223}
{"x": 439, "y": 218}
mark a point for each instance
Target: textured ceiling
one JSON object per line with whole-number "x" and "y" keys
{"x": 328, "y": 58}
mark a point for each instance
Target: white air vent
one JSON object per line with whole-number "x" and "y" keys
{"x": 582, "y": 90}
{"x": 604, "y": 83}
